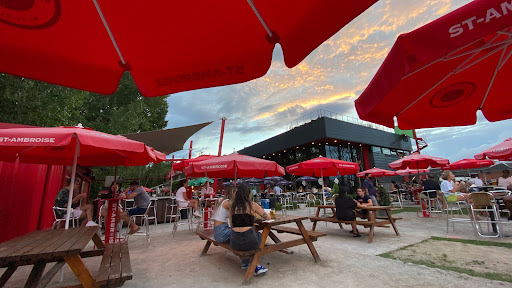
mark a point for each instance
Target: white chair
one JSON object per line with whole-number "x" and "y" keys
{"x": 433, "y": 205}
{"x": 452, "y": 207}
{"x": 286, "y": 201}
{"x": 397, "y": 199}
{"x": 484, "y": 202}
{"x": 311, "y": 202}
{"x": 177, "y": 218}
{"x": 153, "y": 205}
{"x": 144, "y": 222}
{"x": 171, "y": 206}
{"x": 57, "y": 221}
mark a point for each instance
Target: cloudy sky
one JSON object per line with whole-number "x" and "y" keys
{"x": 330, "y": 78}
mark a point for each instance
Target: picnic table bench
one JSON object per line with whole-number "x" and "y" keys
{"x": 308, "y": 237}
{"x": 371, "y": 222}
{"x": 62, "y": 246}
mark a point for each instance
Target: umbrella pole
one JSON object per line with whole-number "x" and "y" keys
{"x": 322, "y": 177}
{"x": 115, "y": 180}
{"x": 71, "y": 188}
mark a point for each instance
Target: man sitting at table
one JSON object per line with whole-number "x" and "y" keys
{"x": 141, "y": 201}
{"x": 345, "y": 209}
{"x": 363, "y": 200}
{"x": 429, "y": 184}
{"x": 476, "y": 181}
{"x": 79, "y": 211}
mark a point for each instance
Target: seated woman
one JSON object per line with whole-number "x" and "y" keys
{"x": 221, "y": 230}
{"x": 345, "y": 209}
{"x": 449, "y": 187}
{"x": 244, "y": 237}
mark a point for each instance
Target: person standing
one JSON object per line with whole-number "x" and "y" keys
{"x": 79, "y": 211}
{"x": 369, "y": 189}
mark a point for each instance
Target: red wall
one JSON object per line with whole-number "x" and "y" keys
{"x": 27, "y": 193}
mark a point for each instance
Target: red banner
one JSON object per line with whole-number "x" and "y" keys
{"x": 111, "y": 220}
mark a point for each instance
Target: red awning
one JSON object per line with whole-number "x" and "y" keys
{"x": 167, "y": 46}
{"x": 442, "y": 73}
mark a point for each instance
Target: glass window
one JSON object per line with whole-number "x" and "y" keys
{"x": 376, "y": 149}
{"x": 386, "y": 151}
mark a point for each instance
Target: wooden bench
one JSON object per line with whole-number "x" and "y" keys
{"x": 284, "y": 229}
{"x": 115, "y": 267}
{"x": 208, "y": 236}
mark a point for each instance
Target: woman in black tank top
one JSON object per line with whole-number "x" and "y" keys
{"x": 244, "y": 237}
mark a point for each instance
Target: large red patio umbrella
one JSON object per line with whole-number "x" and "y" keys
{"x": 72, "y": 146}
{"x": 323, "y": 166}
{"x": 376, "y": 172}
{"x": 502, "y": 151}
{"x": 442, "y": 73}
{"x": 167, "y": 46}
{"x": 408, "y": 171}
{"x": 468, "y": 164}
{"x": 418, "y": 161}
{"x": 179, "y": 166}
{"x": 234, "y": 166}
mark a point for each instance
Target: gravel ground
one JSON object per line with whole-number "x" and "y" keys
{"x": 351, "y": 262}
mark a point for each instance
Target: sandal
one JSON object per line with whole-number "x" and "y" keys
{"x": 356, "y": 235}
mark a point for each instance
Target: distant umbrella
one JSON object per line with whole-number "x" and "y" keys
{"x": 307, "y": 179}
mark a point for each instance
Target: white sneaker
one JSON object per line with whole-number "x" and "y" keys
{"x": 91, "y": 224}
{"x": 197, "y": 214}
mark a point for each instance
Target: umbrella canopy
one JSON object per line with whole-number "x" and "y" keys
{"x": 234, "y": 165}
{"x": 199, "y": 181}
{"x": 147, "y": 189}
{"x": 323, "y": 166}
{"x": 408, "y": 171}
{"x": 179, "y": 166}
{"x": 468, "y": 164}
{"x": 285, "y": 183}
{"x": 167, "y": 46}
{"x": 253, "y": 181}
{"x": 274, "y": 179}
{"x": 376, "y": 172}
{"x": 56, "y": 146}
{"x": 500, "y": 166}
{"x": 307, "y": 179}
{"x": 418, "y": 161}
{"x": 459, "y": 62}
{"x": 502, "y": 151}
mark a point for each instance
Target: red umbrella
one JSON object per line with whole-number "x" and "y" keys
{"x": 323, "y": 166}
{"x": 442, "y": 73}
{"x": 147, "y": 189}
{"x": 376, "y": 172}
{"x": 72, "y": 146}
{"x": 167, "y": 46}
{"x": 418, "y": 161}
{"x": 502, "y": 151}
{"x": 236, "y": 166}
{"x": 408, "y": 171}
{"x": 468, "y": 164}
{"x": 179, "y": 166}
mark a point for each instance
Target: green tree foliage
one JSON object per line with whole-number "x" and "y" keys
{"x": 30, "y": 102}
{"x": 384, "y": 196}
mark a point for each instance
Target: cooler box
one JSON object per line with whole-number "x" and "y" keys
{"x": 265, "y": 203}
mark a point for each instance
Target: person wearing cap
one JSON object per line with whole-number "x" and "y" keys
{"x": 141, "y": 200}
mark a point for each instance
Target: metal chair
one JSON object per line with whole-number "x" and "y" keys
{"x": 144, "y": 222}
{"x": 177, "y": 218}
{"x": 396, "y": 196}
{"x": 57, "y": 220}
{"x": 170, "y": 207}
{"x": 311, "y": 202}
{"x": 455, "y": 206}
{"x": 433, "y": 206}
{"x": 484, "y": 202}
{"x": 153, "y": 205}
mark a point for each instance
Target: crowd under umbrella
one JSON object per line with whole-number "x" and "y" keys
{"x": 73, "y": 146}
{"x": 96, "y": 59}
{"x": 323, "y": 166}
{"x": 433, "y": 73}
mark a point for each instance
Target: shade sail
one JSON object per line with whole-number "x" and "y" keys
{"x": 234, "y": 166}
{"x": 442, "y": 73}
{"x": 167, "y": 46}
{"x": 323, "y": 166}
{"x": 376, "y": 172}
{"x": 502, "y": 151}
{"x": 167, "y": 140}
{"x": 418, "y": 161}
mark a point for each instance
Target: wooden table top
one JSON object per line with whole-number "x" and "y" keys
{"x": 281, "y": 219}
{"x": 371, "y": 208}
{"x": 46, "y": 244}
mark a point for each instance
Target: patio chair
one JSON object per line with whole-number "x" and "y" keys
{"x": 484, "y": 202}
{"x": 452, "y": 207}
{"x": 57, "y": 220}
{"x": 397, "y": 199}
{"x": 498, "y": 194}
{"x": 153, "y": 205}
{"x": 311, "y": 202}
{"x": 433, "y": 205}
{"x": 170, "y": 208}
{"x": 286, "y": 201}
{"x": 144, "y": 222}
{"x": 177, "y": 218}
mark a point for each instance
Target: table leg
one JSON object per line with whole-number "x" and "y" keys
{"x": 305, "y": 235}
{"x": 7, "y": 274}
{"x": 334, "y": 215}
{"x": 256, "y": 258}
{"x": 81, "y": 272}
{"x": 316, "y": 215}
{"x": 97, "y": 241}
{"x": 206, "y": 247}
{"x": 35, "y": 274}
{"x": 393, "y": 222}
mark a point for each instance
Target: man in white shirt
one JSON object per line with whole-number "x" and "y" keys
{"x": 505, "y": 181}
{"x": 183, "y": 200}
{"x": 277, "y": 190}
{"x": 206, "y": 192}
{"x": 476, "y": 181}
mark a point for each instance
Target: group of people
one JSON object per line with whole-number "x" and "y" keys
{"x": 83, "y": 210}
{"x": 237, "y": 208}
{"x": 347, "y": 208}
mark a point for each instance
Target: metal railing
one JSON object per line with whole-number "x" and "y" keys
{"x": 338, "y": 116}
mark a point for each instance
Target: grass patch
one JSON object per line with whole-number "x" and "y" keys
{"x": 406, "y": 209}
{"x": 446, "y": 264}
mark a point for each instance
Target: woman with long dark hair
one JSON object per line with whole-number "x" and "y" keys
{"x": 244, "y": 237}
{"x": 221, "y": 230}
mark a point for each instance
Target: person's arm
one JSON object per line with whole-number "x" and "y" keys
{"x": 78, "y": 197}
{"x": 257, "y": 208}
{"x": 226, "y": 205}
{"x": 131, "y": 195}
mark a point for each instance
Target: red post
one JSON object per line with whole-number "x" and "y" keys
{"x": 416, "y": 139}
{"x": 221, "y": 135}
{"x": 190, "y": 150}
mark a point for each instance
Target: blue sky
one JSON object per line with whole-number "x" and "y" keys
{"x": 330, "y": 78}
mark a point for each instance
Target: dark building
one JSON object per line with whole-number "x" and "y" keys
{"x": 328, "y": 137}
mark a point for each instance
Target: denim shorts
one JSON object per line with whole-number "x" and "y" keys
{"x": 245, "y": 241}
{"x": 137, "y": 211}
{"x": 222, "y": 233}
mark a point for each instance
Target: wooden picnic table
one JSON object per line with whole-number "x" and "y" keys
{"x": 372, "y": 220}
{"x": 41, "y": 247}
